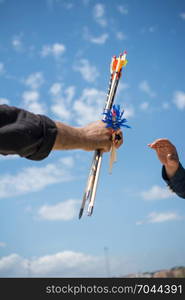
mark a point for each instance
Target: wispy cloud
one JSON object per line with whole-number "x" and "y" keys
{"x": 68, "y": 5}
{"x": 144, "y": 105}
{"x": 31, "y": 97}
{"x": 89, "y": 106}
{"x": 34, "y": 80}
{"x": 63, "y": 211}
{"x": 145, "y": 87}
{"x": 60, "y": 264}
{"x": 34, "y": 179}
{"x": 121, "y": 36}
{"x": 165, "y": 105}
{"x": 122, "y": 9}
{"x": 64, "y": 3}
{"x": 101, "y": 39}
{"x": 99, "y": 14}
{"x": 17, "y": 43}
{"x": 56, "y": 50}
{"x": 55, "y": 89}
{"x": 2, "y": 68}
{"x": 156, "y": 192}
{"x": 85, "y": 2}
{"x": 129, "y": 111}
{"x": 31, "y": 102}
{"x": 182, "y": 15}
{"x": 7, "y": 157}
{"x": 4, "y": 101}
{"x": 152, "y": 28}
{"x": 179, "y": 99}
{"x": 62, "y": 100}
{"x": 2, "y": 244}
{"x": 155, "y": 217}
{"x": 122, "y": 87}
{"x": 88, "y": 71}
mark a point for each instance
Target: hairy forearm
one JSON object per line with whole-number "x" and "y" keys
{"x": 90, "y": 137}
{"x": 68, "y": 137}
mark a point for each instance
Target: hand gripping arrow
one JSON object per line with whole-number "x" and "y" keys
{"x": 116, "y": 66}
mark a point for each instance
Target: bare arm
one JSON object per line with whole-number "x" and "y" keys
{"x": 90, "y": 137}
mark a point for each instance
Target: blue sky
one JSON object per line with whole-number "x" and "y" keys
{"x": 54, "y": 60}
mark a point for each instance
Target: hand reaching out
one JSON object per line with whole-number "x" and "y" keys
{"x": 167, "y": 155}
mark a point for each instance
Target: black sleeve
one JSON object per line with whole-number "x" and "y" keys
{"x": 29, "y": 135}
{"x": 177, "y": 182}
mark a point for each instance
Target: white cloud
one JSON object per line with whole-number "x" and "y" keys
{"x": 7, "y": 157}
{"x": 61, "y": 264}
{"x": 61, "y": 110}
{"x": 144, "y": 105}
{"x": 55, "y": 89}
{"x": 179, "y": 99}
{"x": 13, "y": 264}
{"x": 56, "y": 50}
{"x": 85, "y": 2}
{"x": 122, "y": 9}
{"x": 99, "y": 14}
{"x": 4, "y": 101}
{"x": 182, "y": 15}
{"x": 160, "y": 217}
{"x": 36, "y": 107}
{"x": 31, "y": 102}
{"x": 67, "y": 161}
{"x": 63, "y": 211}
{"x": 89, "y": 106}
{"x": 145, "y": 87}
{"x": 165, "y": 105}
{"x": 65, "y": 264}
{"x": 17, "y": 43}
{"x": 2, "y": 69}
{"x": 69, "y": 94}
{"x": 30, "y": 96}
{"x": 156, "y": 192}
{"x": 34, "y": 80}
{"x": 88, "y": 71}
{"x": 101, "y": 39}
{"x": 66, "y": 4}
{"x": 122, "y": 87}
{"x": 129, "y": 112}
{"x": 2, "y": 244}
{"x": 121, "y": 36}
{"x": 62, "y": 99}
{"x": 152, "y": 29}
{"x": 34, "y": 179}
